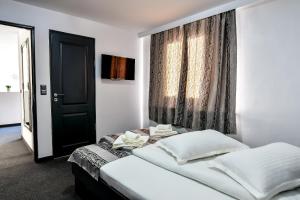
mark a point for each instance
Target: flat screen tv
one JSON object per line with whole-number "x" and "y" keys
{"x": 117, "y": 68}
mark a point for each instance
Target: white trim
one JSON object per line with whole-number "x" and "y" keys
{"x": 201, "y": 15}
{"x": 141, "y": 89}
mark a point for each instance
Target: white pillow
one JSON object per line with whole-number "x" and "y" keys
{"x": 263, "y": 171}
{"x": 199, "y": 144}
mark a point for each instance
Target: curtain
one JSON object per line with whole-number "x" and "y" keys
{"x": 193, "y": 74}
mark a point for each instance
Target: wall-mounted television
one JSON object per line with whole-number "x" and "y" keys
{"x": 117, "y": 68}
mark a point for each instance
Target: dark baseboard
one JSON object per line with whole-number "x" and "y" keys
{"x": 44, "y": 159}
{"x": 9, "y": 125}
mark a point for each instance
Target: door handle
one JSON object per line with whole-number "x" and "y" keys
{"x": 56, "y": 95}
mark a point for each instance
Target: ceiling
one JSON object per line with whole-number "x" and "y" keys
{"x": 139, "y": 15}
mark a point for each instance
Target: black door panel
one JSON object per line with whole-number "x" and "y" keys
{"x": 74, "y": 74}
{"x": 73, "y": 91}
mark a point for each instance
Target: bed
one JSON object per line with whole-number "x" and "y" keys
{"x": 88, "y": 160}
{"x": 149, "y": 173}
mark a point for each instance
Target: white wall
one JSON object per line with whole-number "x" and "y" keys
{"x": 27, "y": 137}
{"x": 10, "y": 108}
{"x": 268, "y": 93}
{"x": 10, "y": 102}
{"x": 116, "y": 102}
{"x": 9, "y": 64}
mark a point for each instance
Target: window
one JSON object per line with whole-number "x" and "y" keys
{"x": 195, "y": 71}
{"x": 173, "y": 66}
{"x": 196, "y": 66}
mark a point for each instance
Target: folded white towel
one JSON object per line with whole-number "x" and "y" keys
{"x": 131, "y": 135}
{"x": 164, "y": 127}
{"x": 161, "y": 133}
{"x": 130, "y": 140}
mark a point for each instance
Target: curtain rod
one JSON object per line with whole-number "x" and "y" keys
{"x": 201, "y": 15}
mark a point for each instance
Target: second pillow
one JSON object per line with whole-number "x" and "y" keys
{"x": 199, "y": 144}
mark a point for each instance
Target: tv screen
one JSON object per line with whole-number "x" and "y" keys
{"x": 115, "y": 67}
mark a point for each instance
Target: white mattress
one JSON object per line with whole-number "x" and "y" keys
{"x": 138, "y": 179}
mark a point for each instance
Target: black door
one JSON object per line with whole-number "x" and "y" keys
{"x": 73, "y": 91}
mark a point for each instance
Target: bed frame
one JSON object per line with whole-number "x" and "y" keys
{"x": 90, "y": 189}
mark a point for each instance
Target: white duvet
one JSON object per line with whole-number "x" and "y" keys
{"x": 199, "y": 171}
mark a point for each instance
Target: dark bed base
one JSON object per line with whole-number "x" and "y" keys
{"x": 90, "y": 189}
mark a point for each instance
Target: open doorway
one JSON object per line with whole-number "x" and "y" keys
{"x": 17, "y": 91}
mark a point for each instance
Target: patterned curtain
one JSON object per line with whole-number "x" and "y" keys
{"x": 193, "y": 74}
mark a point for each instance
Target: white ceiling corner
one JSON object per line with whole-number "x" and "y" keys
{"x": 138, "y": 15}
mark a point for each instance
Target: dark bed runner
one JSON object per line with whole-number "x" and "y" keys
{"x": 92, "y": 157}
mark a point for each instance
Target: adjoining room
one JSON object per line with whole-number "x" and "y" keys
{"x": 15, "y": 88}
{"x": 16, "y": 98}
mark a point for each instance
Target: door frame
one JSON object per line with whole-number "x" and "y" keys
{"x": 51, "y": 83}
{"x": 34, "y": 110}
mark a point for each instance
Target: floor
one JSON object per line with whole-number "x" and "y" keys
{"x": 22, "y": 178}
{"x": 10, "y": 134}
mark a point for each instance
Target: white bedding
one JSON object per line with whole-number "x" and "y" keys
{"x": 199, "y": 171}
{"x": 138, "y": 179}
